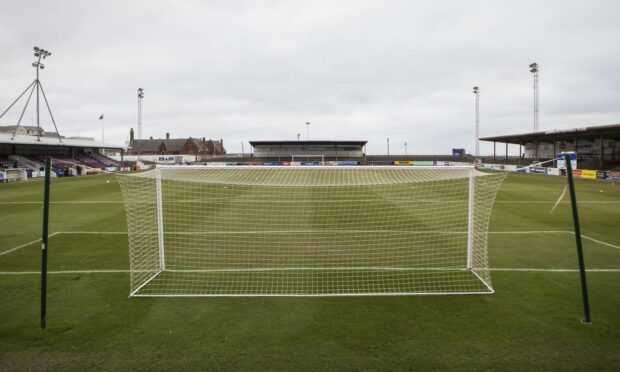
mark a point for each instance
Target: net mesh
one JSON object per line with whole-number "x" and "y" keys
{"x": 304, "y": 231}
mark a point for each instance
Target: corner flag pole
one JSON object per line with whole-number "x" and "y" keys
{"x": 46, "y": 204}
{"x": 582, "y": 269}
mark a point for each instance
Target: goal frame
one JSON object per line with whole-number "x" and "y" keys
{"x": 162, "y": 248}
{"x": 307, "y": 157}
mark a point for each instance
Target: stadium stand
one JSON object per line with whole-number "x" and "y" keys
{"x": 71, "y": 156}
{"x": 596, "y": 147}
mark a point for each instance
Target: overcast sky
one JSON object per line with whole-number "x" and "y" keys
{"x": 357, "y": 70}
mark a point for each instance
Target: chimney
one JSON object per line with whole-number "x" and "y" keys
{"x": 167, "y": 135}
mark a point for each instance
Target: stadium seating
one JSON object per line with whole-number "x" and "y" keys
{"x": 24, "y": 162}
{"x": 103, "y": 160}
{"x": 5, "y": 162}
{"x": 89, "y": 160}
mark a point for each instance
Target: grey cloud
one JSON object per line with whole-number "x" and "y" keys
{"x": 354, "y": 69}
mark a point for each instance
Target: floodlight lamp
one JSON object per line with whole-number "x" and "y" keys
{"x": 36, "y": 49}
{"x": 42, "y": 67}
{"x": 34, "y": 64}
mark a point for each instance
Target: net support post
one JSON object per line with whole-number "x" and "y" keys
{"x": 44, "y": 236}
{"x": 582, "y": 266}
{"x": 470, "y": 219}
{"x": 160, "y": 219}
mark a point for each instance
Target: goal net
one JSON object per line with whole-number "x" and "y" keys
{"x": 308, "y": 230}
{"x": 319, "y": 158}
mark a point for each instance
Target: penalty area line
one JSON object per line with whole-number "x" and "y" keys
{"x": 281, "y": 232}
{"x": 600, "y": 242}
{"x": 503, "y": 269}
{"x": 67, "y": 272}
{"x": 25, "y": 245}
{"x": 509, "y": 269}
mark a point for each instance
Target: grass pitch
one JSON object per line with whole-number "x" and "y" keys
{"x": 532, "y": 322}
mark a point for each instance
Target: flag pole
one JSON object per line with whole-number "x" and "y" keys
{"x": 102, "y": 118}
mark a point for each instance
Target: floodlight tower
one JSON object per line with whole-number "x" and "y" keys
{"x": 35, "y": 85}
{"x": 41, "y": 54}
{"x": 477, "y": 93}
{"x": 140, "y": 96}
{"x": 534, "y": 70}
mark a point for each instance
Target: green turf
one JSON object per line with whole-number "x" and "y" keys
{"x": 531, "y": 322}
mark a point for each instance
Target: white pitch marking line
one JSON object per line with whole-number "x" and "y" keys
{"x": 67, "y": 272}
{"x": 533, "y": 232}
{"x": 600, "y": 242}
{"x": 64, "y": 272}
{"x": 551, "y": 201}
{"x": 305, "y": 231}
{"x": 314, "y": 231}
{"x": 62, "y": 202}
{"x": 555, "y": 270}
{"x": 25, "y": 245}
{"x": 271, "y": 201}
{"x": 96, "y": 232}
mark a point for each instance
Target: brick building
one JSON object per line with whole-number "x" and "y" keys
{"x": 175, "y": 146}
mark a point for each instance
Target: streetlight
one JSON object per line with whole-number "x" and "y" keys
{"x": 298, "y": 136}
{"x": 307, "y": 131}
{"x": 388, "y": 146}
{"x": 534, "y": 70}
{"x": 405, "y": 148}
{"x": 477, "y": 93}
{"x": 140, "y": 96}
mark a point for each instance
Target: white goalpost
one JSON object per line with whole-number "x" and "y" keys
{"x": 308, "y": 230}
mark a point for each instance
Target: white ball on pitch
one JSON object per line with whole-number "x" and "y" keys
{"x": 108, "y": 181}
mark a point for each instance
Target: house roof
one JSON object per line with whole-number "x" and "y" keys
{"x": 173, "y": 144}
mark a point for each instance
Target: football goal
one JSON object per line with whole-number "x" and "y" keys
{"x": 308, "y": 230}
{"x": 319, "y": 158}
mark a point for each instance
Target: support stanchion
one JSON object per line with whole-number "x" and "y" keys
{"x": 582, "y": 266}
{"x": 46, "y": 204}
